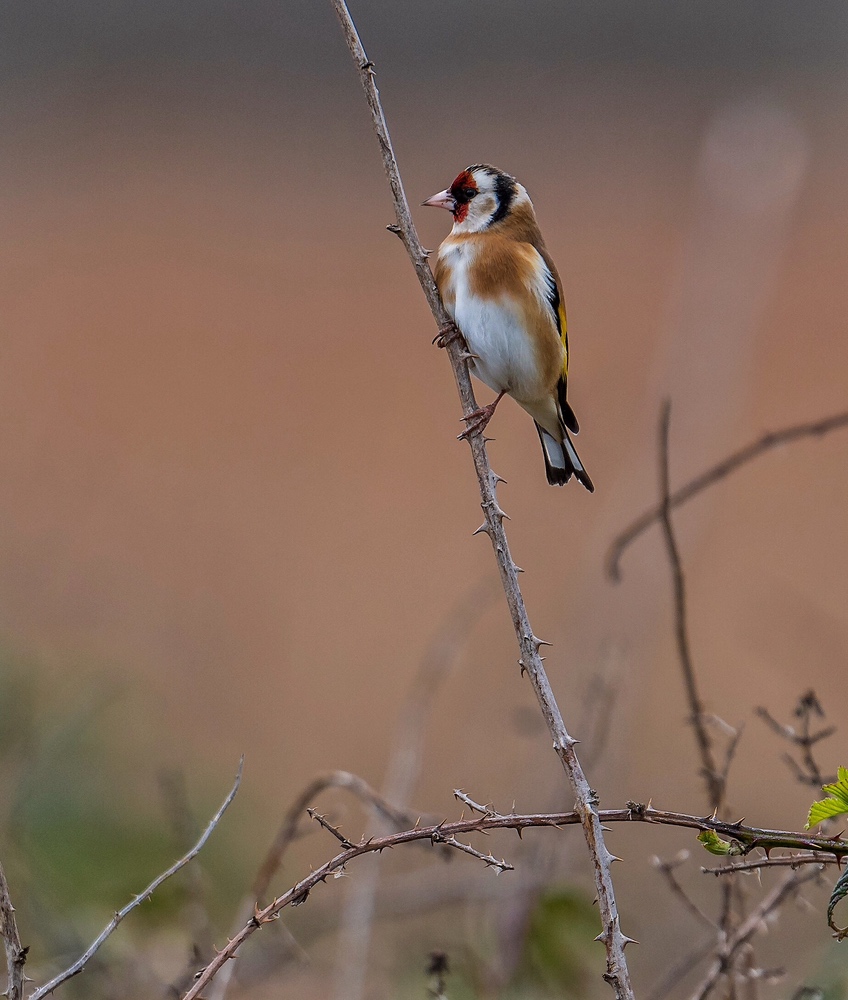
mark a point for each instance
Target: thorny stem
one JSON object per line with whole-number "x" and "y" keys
{"x": 715, "y": 474}
{"x": 612, "y": 936}
{"x": 712, "y": 778}
{"x": 743, "y": 838}
{"x": 16, "y": 955}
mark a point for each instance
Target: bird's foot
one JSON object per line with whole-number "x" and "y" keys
{"x": 478, "y": 420}
{"x": 447, "y": 335}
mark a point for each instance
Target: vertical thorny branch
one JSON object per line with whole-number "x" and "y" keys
{"x": 15, "y": 953}
{"x": 586, "y": 800}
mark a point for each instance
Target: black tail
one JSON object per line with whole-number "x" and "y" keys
{"x": 562, "y": 461}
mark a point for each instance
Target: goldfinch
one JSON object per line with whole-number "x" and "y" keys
{"x": 502, "y": 290}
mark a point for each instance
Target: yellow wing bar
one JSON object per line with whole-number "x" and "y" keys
{"x": 563, "y": 330}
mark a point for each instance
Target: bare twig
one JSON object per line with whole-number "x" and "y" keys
{"x": 666, "y": 869}
{"x": 358, "y": 787}
{"x": 783, "y": 861}
{"x": 16, "y": 954}
{"x": 397, "y": 818}
{"x": 489, "y": 859}
{"x": 472, "y": 805}
{"x": 172, "y": 786}
{"x": 612, "y": 936}
{"x": 709, "y": 768}
{"x": 744, "y": 838}
{"x": 334, "y": 830}
{"x": 79, "y": 965}
{"x": 749, "y": 926}
{"x": 808, "y": 771}
{"x": 713, "y": 475}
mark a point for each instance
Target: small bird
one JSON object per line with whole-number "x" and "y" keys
{"x": 501, "y": 288}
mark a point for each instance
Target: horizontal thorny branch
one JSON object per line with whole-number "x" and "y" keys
{"x": 741, "y": 838}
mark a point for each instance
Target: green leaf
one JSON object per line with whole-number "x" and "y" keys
{"x": 836, "y": 803}
{"x": 840, "y": 891}
{"x": 715, "y": 845}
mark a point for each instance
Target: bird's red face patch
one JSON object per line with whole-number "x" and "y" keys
{"x": 463, "y": 189}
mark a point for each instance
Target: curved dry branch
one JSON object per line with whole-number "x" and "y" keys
{"x": 359, "y": 788}
{"x": 709, "y": 767}
{"x": 742, "y": 839}
{"x": 612, "y": 936}
{"x": 80, "y": 964}
{"x": 721, "y": 470}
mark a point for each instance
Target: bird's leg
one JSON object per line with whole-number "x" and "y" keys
{"x": 446, "y": 335}
{"x": 478, "y": 420}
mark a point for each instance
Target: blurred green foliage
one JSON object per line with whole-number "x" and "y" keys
{"x": 84, "y": 823}
{"x": 559, "y": 951}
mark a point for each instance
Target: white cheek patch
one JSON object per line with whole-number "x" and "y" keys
{"x": 484, "y": 206}
{"x": 480, "y": 211}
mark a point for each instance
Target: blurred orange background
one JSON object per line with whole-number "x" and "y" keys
{"x": 231, "y": 486}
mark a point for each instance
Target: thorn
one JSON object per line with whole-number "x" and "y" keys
{"x": 613, "y": 857}
{"x": 625, "y": 941}
{"x": 602, "y": 937}
{"x": 538, "y": 643}
{"x": 499, "y": 479}
{"x": 516, "y": 568}
{"x": 483, "y": 528}
{"x": 394, "y": 228}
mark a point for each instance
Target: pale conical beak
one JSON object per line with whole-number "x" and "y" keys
{"x": 444, "y": 199}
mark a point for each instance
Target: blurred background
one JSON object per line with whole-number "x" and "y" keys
{"x": 234, "y": 518}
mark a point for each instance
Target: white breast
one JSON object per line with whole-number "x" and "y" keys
{"x": 495, "y": 331}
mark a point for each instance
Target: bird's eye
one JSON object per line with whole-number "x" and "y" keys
{"x": 469, "y": 193}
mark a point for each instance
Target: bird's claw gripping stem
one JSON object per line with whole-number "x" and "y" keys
{"x": 447, "y": 335}
{"x": 478, "y": 419}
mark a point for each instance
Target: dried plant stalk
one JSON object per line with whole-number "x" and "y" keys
{"x": 586, "y": 800}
